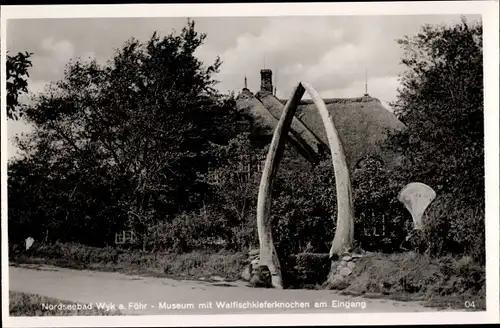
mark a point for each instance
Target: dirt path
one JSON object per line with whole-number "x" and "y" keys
{"x": 157, "y": 295}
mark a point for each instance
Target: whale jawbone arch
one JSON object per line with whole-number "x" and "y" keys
{"x": 344, "y": 232}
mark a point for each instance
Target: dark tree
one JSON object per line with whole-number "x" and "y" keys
{"x": 124, "y": 143}
{"x": 441, "y": 102}
{"x": 17, "y": 84}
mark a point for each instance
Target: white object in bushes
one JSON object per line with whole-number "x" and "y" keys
{"x": 416, "y": 197}
{"x": 29, "y": 242}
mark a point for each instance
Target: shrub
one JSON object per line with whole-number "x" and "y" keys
{"x": 452, "y": 225}
{"x": 444, "y": 281}
{"x": 205, "y": 229}
{"x": 304, "y": 205}
{"x": 381, "y": 221}
{"x": 312, "y": 268}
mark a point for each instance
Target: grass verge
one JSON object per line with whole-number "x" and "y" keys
{"x": 444, "y": 282}
{"x": 192, "y": 265}
{"x": 33, "y": 305}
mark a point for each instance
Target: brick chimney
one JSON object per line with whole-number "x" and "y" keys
{"x": 266, "y": 81}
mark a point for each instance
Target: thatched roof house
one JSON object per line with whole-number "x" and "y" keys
{"x": 362, "y": 122}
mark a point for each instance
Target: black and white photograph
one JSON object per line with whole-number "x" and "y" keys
{"x": 235, "y": 164}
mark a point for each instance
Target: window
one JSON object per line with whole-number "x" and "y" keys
{"x": 214, "y": 178}
{"x": 125, "y": 237}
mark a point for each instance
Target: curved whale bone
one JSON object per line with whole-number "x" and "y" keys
{"x": 416, "y": 197}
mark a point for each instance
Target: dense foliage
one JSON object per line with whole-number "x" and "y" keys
{"x": 441, "y": 102}
{"x": 121, "y": 144}
{"x": 145, "y": 142}
{"x": 17, "y": 82}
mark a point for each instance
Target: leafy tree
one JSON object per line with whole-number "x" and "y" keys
{"x": 17, "y": 84}
{"x": 441, "y": 102}
{"x": 235, "y": 183}
{"x": 127, "y": 141}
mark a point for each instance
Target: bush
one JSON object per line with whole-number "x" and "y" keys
{"x": 303, "y": 210}
{"x": 312, "y": 269}
{"x": 446, "y": 281}
{"x": 452, "y": 225}
{"x": 189, "y": 231}
{"x": 381, "y": 221}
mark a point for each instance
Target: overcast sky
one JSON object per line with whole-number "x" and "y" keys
{"x": 330, "y": 52}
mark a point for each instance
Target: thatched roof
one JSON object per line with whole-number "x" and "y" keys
{"x": 362, "y": 124}
{"x": 263, "y": 121}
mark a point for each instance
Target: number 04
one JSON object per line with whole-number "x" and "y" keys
{"x": 469, "y": 304}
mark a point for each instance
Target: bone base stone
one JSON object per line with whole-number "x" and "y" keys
{"x": 343, "y": 270}
{"x": 252, "y": 266}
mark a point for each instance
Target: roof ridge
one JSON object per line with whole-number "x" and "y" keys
{"x": 338, "y": 100}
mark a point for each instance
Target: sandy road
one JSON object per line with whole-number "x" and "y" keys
{"x": 156, "y": 294}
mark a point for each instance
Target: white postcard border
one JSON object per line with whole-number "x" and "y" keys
{"x": 489, "y": 12}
